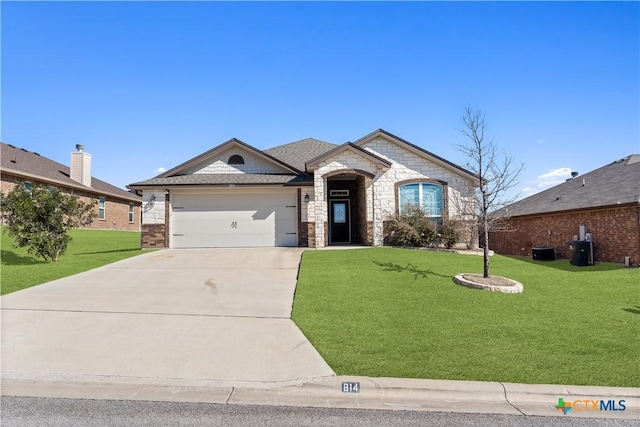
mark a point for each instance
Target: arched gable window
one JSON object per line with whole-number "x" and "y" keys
{"x": 424, "y": 195}
{"x": 236, "y": 159}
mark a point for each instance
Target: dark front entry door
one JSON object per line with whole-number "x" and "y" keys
{"x": 340, "y": 221}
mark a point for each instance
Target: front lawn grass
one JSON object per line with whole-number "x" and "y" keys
{"x": 384, "y": 312}
{"x": 88, "y": 249}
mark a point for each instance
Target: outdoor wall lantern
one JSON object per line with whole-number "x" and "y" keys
{"x": 306, "y": 198}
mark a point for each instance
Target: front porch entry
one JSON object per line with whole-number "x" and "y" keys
{"x": 347, "y": 209}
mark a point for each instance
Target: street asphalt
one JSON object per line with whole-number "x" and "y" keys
{"x": 213, "y": 326}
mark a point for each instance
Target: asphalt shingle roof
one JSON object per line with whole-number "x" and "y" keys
{"x": 226, "y": 179}
{"x": 300, "y": 152}
{"x": 613, "y": 184}
{"x": 21, "y": 161}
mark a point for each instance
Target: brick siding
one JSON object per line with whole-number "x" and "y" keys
{"x": 153, "y": 236}
{"x": 616, "y": 234}
{"x": 116, "y": 214}
{"x": 307, "y": 232}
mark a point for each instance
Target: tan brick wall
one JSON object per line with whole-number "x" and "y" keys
{"x": 116, "y": 214}
{"x": 616, "y": 234}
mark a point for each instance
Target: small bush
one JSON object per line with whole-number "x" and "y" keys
{"x": 450, "y": 233}
{"x": 414, "y": 228}
{"x": 39, "y": 219}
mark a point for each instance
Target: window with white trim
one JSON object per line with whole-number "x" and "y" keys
{"x": 102, "y": 208}
{"x": 424, "y": 195}
{"x": 132, "y": 211}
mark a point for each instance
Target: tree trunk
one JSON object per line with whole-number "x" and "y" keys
{"x": 485, "y": 226}
{"x": 486, "y": 249}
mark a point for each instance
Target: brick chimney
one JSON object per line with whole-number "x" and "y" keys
{"x": 81, "y": 166}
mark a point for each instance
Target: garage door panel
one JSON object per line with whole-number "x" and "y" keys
{"x": 234, "y": 220}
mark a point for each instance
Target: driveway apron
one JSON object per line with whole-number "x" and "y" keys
{"x": 209, "y": 317}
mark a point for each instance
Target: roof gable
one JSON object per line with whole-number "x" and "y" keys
{"x": 314, "y": 163}
{"x": 381, "y": 133}
{"x": 617, "y": 183}
{"x": 32, "y": 166}
{"x": 216, "y": 161}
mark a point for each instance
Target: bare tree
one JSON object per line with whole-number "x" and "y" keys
{"x": 495, "y": 170}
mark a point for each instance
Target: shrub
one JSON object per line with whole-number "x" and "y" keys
{"x": 39, "y": 219}
{"x": 414, "y": 228}
{"x": 450, "y": 233}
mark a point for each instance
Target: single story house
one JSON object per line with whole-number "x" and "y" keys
{"x": 307, "y": 193}
{"x": 606, "y": 201}
{"x": 116, "y": 208}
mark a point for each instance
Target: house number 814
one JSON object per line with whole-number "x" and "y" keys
{"x": 351, "y": 387}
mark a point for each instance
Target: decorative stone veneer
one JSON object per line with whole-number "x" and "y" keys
{"x": 155, "y": 219}
{"x": 380, "y": 191}
{"x": 153, "y": 207}
{"x": 252, "y": 164}
{"x": 307, "y": 210}
{"x": 344, "y": 161}
{"x": 407, "y": 165}
{"x": 306, "y": 226}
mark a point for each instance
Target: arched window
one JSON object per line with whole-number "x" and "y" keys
{"x": 424, "y": 195}
{"x": 236, "y": 159}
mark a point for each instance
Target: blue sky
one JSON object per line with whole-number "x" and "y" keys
{"x": 146, "y": 86}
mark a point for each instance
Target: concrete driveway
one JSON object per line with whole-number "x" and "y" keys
{"x": 211, "y": 317}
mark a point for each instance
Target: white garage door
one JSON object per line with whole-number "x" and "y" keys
{"x": 220, "y": 220}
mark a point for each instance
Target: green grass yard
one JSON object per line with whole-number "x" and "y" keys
{"x": 88, "y": 249}
{"x": 386, "y": 312}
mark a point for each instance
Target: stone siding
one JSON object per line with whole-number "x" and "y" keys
{"x": 307, "y": 210}
{"x": 616, "y": 234}
{"x": 407, "y": 165}
{"x": 381, "y": 190}
{"x": 155, "y": 219}
{"x": 346, "y": 160}
{"x": 153, "y": 207}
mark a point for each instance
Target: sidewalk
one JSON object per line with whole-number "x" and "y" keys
{"x": 374, "y": 393}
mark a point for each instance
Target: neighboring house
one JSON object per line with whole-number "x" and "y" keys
{"x": 604, "y": 200}
{"x": 116, "y": 208}
{"x": 307, "y": 193}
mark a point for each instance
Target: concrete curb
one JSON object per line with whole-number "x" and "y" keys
{"x": 515, "y": 288}
{"x": 374, "y": 393}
